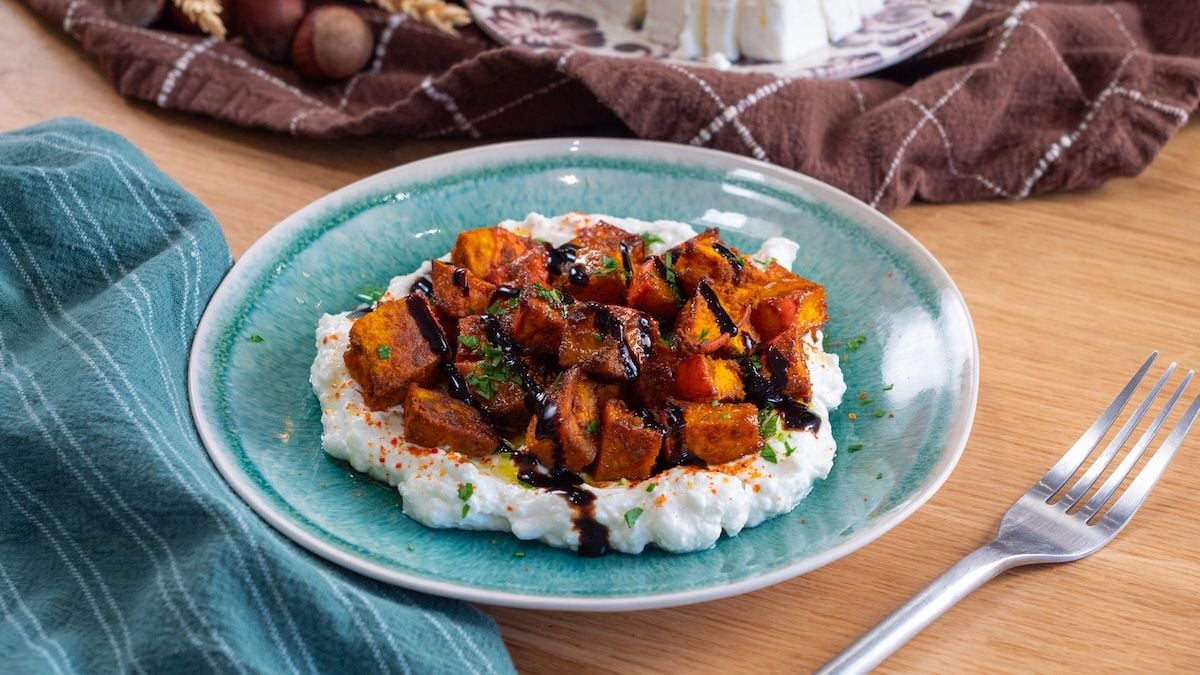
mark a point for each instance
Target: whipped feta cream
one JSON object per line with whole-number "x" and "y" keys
{"x": 685, "y": 508}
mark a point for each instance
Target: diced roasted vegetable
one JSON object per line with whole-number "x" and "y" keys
{"x": 497, "y": 390}
{"x": 628, "y": 445}
{"x": 577, "y": 401}
{"x": 488, "y": 251}
{"x": 458, "y": 292}
{"x": 609, "y": 342}
{"x": 539, "y": 318}
{"x": 704, "y": 256}
{"x": 650, "y": 292}
{"x": 788, "y": 300}
{"x": 605, "y": 257}
{"x": 657, "y": 383}
{"x": 531, "y": 267}
{"x": 719, "y": 433}
{"x": 703, "y": 378}
{"x": 707, "y": 321}
{"x": 472, "y": 331}
{"x": 388, "y": 352}
{"x": 434, "y": 419}
{"x": 785, "y": 366}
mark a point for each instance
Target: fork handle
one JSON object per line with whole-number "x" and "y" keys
{"x": 977, "y": 568}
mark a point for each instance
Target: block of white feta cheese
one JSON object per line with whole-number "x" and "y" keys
{"x": 721, "y": 36}
{"x": 678, "y": 24}
{"x": 842, "y": 18}
{"x": 628, "y": 12}
{"x": 781, "y": 30}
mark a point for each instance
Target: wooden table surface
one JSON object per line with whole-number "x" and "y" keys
{"x": 1068, "y": 294}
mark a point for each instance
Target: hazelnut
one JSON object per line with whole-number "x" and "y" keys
{"x": 332, "y": 43}
{"x": 267, "y": 26}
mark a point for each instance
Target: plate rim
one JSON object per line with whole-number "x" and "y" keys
{"x": 777, "y": 69}
{"x": 222, "y": 456}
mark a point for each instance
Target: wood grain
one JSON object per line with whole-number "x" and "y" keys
{"x": 1068, "y": 294}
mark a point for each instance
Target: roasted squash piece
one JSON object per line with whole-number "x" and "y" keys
{"x": 497, "y": 391}
{"x": 531, "y": 267}
{"x": 703, "y": 378}
{"x": 628, "y": 445}
{"x": 609, "y": 342}
{"x": 434, "y": 419}
{"x": 650, "y": 292}
{"x": 539, "y": 318}
{"x": 719, "y": 433}
{"x": 488, "y": 251}
{"x": 788, "y": 300}
{"x": 785, "y": 366}
{"x": 458, "y": 292}
{"x": 387, "y": 352}
{"x": 605, "y": 257}
{"x": 707, "y": 322}
{"x": 472, "y": 330}
{"x": 704, "y": 256}
{"x": 657, "y": 382}
{"x": 574, "y": 440}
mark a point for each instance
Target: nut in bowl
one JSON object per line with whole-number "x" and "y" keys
{"x": 592, "y": 382}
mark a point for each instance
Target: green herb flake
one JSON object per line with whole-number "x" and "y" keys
{"x": 715, "y": 403}
{"x": 768, "y": 453}
{"x": 669, "y": 266}
{"x": 369, "y": 293}
{"x": 609, "y": 265}
{"x": 384, "y": 352}
{"x": 255, "y": 339}
{"x": 632, "y": 515}
{"x": 469, "y": 341}
{"x": 466, "y": 509}
{"x": 768, "y": 423}
{"x": 889, "y": 387}
{"x": 650, "y": 239}
{"x": 703, "y": 335}
{"x": 519, "y": 554}
{"x": 527, "y": 486}
{"x": 879, "y": 412}
{"x": 854, "y": 447}
{"x": 650, "y": 487}
{"x": 465, "y": 491}
{"x": 726, "y": 416}
{"x": 788, "y": 449}
{"x": 599, "y": 337}
{"x": 551, "y": 295}
{"x": 593, "y": 427}
{"x": 878, "y": 476}
{"x": 856, "y": 342}
{"x": 411, "y": 548}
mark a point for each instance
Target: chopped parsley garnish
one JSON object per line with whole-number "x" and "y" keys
{"x": 649, "y": 239}
{"x": 768, "y": 453}
{"x": 879, "y": 412}
{"x": 854, "y": 447}
{"x": 465, "y": 491}
{"x": 255, "y": 338}
{"x": 667, "y": 340}
{"x": 889, "y": 387}
{"x": 598, "y": 336}
{"x": 703, "y": 334}
{"x": 669, "y": 266}
{"x": 369, "y": 293}
{"x": 519, "y": 554}
{"x": 788, "y": 449}
{"x": 650, "y": 487}
{"x": 715, "y": 403}
{"x": 466, "y": 510}
{"x": 610, "y": 265}
{"x": 632, "y": 515}
{"x": 878, "y": 476}
{"x": 492, "y": 371}
{"x": 500, "y": 307}
{"x": 768, "y": 423}
{"x": 469, "y": 341}
{"x": 726, "y": 416}
{"x": 384, "y": 352}
{"x": 593, "y": 427}
{"x": 756, "y": 361}
{"x": 551, "y": 295}
{"x": 856, "y": 342}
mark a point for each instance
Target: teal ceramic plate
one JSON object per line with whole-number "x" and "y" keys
{"x": 915, "y": 357}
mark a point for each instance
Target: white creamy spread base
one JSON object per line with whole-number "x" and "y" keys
{"x": 687, "y": 509}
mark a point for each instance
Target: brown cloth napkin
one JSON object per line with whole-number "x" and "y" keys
{"x": 1021, "y": 98}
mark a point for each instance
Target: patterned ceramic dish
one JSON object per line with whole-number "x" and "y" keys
{"x": 902, "y": 29}
{"x": 902, "y": 324}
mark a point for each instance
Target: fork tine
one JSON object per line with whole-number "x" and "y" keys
{"x": 1057, "y": 476}
{"x": 1118, "y": 476}
{"x": 1141, "y": 486}
{"x": 1086, "y": 481}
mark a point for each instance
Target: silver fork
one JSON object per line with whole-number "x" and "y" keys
{"x": 1037, "y": 531}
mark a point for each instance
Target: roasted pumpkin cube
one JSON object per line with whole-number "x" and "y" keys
{"x": 785, "y": 365}
{"x": 435, "y": 419}
{"x": 707, "y": 321}
{"x": 705, "y": 256}
{"x": 629, "y": 446}
{"x": 703, "y": 378}
{"x": 657, "y": 382}
{"x": 497, "y": 391}
{"x": 458, "y": 292}
{"x": 719, "y": 433}
{"x": 539, "y": 318}
{"x": 571, "y": 439}
{"x": 650, "y": 292}
{"x": 488, "y": 251}
{"x": 388, "y": 352}
{"x": 788, "y": 300}
{"x": 531, "y": 267}
{"x": 472, "y": 331}
{"x": 605, "y": 257}
{"x": 608, "y": 342}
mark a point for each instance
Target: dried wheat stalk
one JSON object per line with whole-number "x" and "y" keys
{"x": 204, "y": 13}
{"x": 433, "y": 12}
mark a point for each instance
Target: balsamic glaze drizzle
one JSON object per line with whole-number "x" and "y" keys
{"x": 734, "y": 261}
{"x": 559, "y": 259}
{"x": 611, "y": 327}
{"x": 423, "y": 285}
{"x": 724, "y": 322}
{"x": 769, "y": 393}
{"x": 506, "y": 291}
{"x": 593, "y": 535}
{"x": 438, "y": 344}
{"x": 460, "y": 279}
{"x": 626, "y": 262}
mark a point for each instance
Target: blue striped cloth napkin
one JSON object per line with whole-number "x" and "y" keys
{"x": 121, "y": 549}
